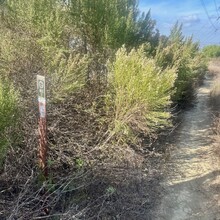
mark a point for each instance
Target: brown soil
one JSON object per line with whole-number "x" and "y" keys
{"x": 192, "y": 179}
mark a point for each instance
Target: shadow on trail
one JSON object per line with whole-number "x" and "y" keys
{"x": 201, "y": 207}
{"x": 192, "y": 175}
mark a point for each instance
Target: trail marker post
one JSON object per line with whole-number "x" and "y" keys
{"x": 42, "y": 126}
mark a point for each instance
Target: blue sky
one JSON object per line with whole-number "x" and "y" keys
{"x": 192, "y": 13}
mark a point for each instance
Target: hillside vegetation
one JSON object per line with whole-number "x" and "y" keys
{"x": 212, "y": 51}
{"x": 111, "y": 82}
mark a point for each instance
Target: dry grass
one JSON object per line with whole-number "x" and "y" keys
{"x": 216, "y": 131}
{"x": 215, "y": 95}
{"x": 214, "y": 66}
{"x": 214, "y": 70}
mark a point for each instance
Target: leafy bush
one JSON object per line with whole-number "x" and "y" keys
{"x": 140, "y": 93}
{"x": 8, "y": 115}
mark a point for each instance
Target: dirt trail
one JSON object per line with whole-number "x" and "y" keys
{"x": 192, "y": 184}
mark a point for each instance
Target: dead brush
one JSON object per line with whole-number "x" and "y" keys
{"x": 216, "y": 126}
{"x": 216, "y": 132}
{"x": 214, "y": 70}
{"x": 214, "y": 67}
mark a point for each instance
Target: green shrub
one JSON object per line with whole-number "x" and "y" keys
{"x": 35, "y": 38}
{"x": 8, "y": 115}
{"x": 140, "y": 93}
{"x": 69, "y": 74}
{"x": 182, "y": 54}
{"x": 211, "y": 51}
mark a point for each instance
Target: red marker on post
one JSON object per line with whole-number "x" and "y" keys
{"x": 42, "y": 127}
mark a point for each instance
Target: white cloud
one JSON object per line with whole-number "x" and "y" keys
{"x": 190, "y": 13}
{"x": 190, "y": 20}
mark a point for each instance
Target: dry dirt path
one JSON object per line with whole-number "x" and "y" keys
{"x": 192, "y": 183}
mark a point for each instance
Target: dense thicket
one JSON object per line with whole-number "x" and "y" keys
{"x": 75, "y": 43}
{"x": 110, "y": 77}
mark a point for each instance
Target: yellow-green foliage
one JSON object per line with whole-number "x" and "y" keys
{"x": 19, "y": 53}
{"x": 182, "y": 54}
{"x": 211, "y": 51}
{"x": 8, "y": 114}
{"x": 69, "y": 74}
{"x": 36, "y": 37}
{"x": 141, "y": 92}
